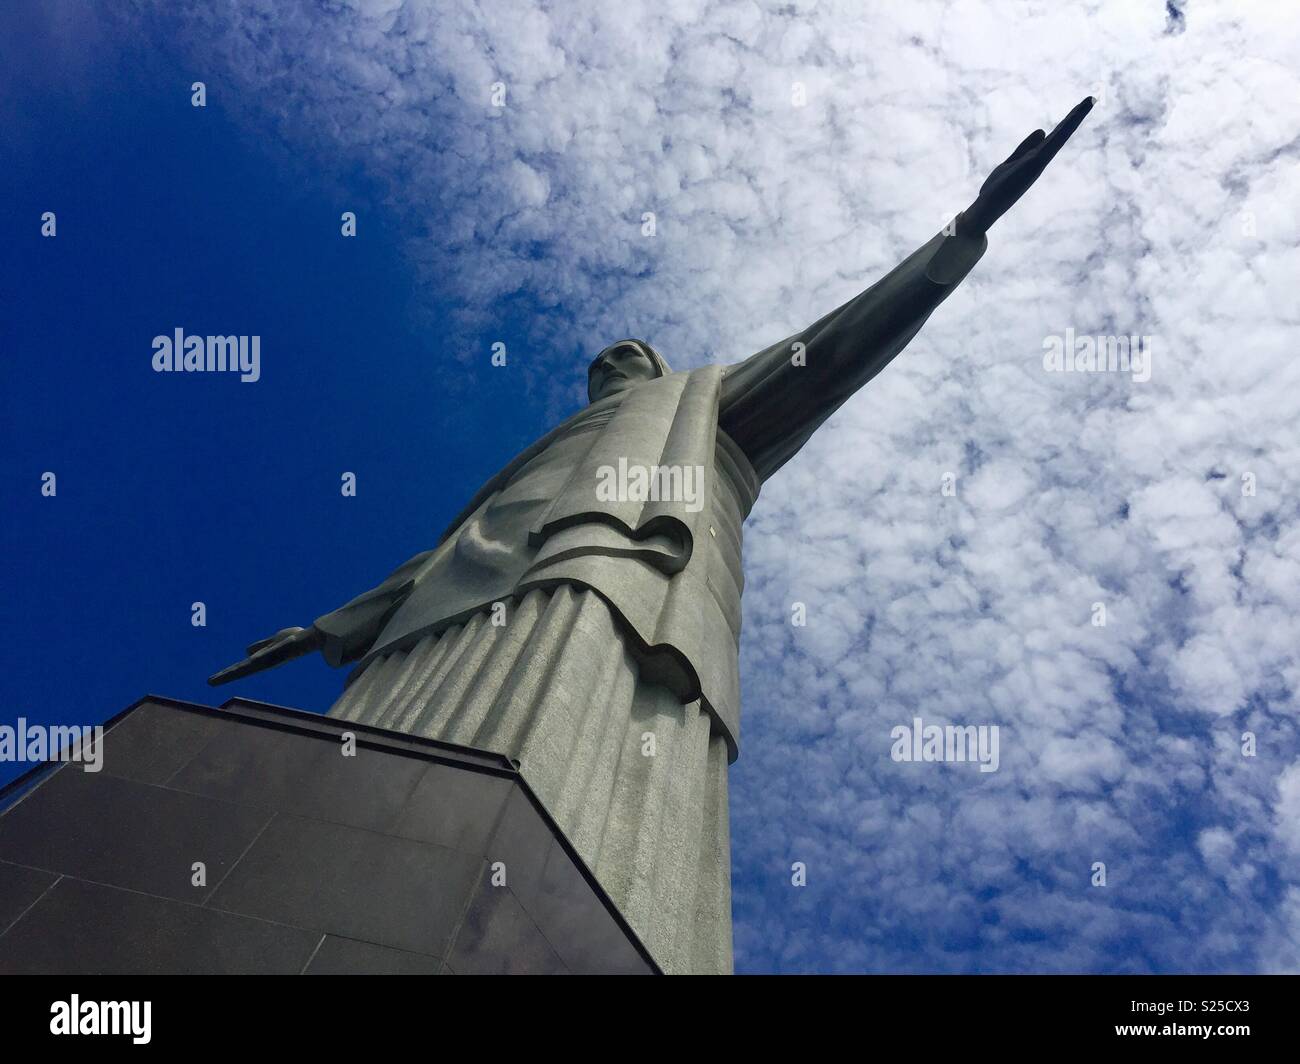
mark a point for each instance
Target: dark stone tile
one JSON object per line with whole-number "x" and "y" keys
{"x": 523, "y": 841}
{"x": 558, "y": 897}
{"x": 19, "y": 887}
{"x": 498, "y": 938}
{"x": 454, "y": 807}
{"x": 153, "y": 741}
{"x": 573, "y": 916}
{"x": 353, "y": 883}
{"x": 87, "y": 928}
{"x": 304, "y": 775}
{"x": 127, "y": 834}
{"x": 26, "y": 783}
{"x": 347, "y": 956}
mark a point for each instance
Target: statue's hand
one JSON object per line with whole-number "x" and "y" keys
{"x": 1012, "y": 178}
{"x": 285, "y": 645}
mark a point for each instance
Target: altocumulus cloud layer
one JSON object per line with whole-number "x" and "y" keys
{"x": 1171, "y": 214}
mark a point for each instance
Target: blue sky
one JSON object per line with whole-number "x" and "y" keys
{"x": 1171, "y": 214}
{"x": 172, "y": 488}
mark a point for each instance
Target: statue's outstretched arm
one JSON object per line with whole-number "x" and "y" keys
{"x": 773, "y": 401}
{"x": 340, "y": 636}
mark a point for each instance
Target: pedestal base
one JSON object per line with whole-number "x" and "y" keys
{"x": 255, "y": 838}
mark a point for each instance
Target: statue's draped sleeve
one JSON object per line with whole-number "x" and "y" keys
{"x": 770, "y": 405}
{"x": 348, "y": 631}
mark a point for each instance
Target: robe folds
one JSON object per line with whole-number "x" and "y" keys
{"x": 670, "y": 573}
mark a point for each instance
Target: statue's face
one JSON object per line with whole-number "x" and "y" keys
{"x": 617, "y": 368}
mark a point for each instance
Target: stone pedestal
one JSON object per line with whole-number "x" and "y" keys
{"x": 255, "y": 838}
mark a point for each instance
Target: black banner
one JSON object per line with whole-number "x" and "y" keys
{"x": 1228, "y": 1014}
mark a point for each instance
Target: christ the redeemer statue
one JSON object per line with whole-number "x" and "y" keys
{"x": 594, "y": 635}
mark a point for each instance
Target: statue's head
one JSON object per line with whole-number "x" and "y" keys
{"x": 622, "y": 365}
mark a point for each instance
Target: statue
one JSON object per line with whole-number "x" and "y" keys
{"x": 582, "y": 612}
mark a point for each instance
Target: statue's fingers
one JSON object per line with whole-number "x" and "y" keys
{"x": 266, "y": 658}
{"x": 283, "y": 635}
{"x": 233, "y": 672}
{"x": 1065, "y": 129}
{"x": 1034, "y": 138}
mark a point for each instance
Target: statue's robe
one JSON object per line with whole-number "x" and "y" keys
{"x": 618, "y": 622}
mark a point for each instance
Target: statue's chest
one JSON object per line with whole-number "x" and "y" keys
{"x": 543, "y": 478}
